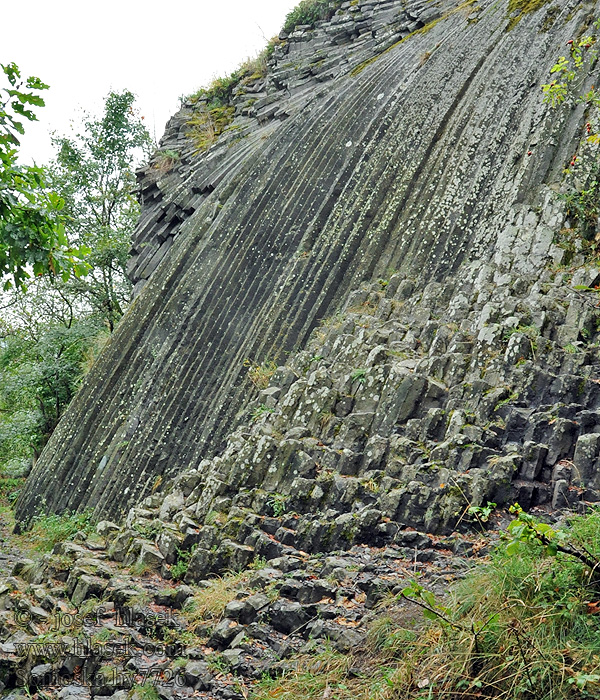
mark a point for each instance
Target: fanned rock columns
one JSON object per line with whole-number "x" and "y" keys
{"x": 394, "y": 137}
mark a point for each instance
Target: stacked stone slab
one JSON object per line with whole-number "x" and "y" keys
{"x": 406, "y": 150}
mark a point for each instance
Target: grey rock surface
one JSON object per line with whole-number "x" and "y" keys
{"x": 390, "y": 143}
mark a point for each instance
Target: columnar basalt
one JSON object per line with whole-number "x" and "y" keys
{"x": 392, "y": 138}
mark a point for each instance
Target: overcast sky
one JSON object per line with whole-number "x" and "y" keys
{"x": 159, "y": 51}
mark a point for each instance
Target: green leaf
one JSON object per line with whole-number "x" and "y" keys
{"x": 512, "y": 548}
{"x": 61, "y": 235}
{"x": 430, "y": 614}
{"x": 428, "y": 597}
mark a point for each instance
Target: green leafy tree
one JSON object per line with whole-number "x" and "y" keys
{"x": 94, "y": 173}
{"x": 50, "y": 334}
{"x": 41, "y": 365}
{"x": 32, "y": 237}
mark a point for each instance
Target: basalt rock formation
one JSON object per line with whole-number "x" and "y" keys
{"x": 379, "y": 218}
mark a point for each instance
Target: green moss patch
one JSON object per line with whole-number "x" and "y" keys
{"x": 517, "y": 9}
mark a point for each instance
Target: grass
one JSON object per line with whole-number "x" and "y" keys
{"x": 216, "y": 113}
{"x": 180, "y": 567}
{"x": 260, "y": 375}
{"x": 319, "y": 676}
{"x": 308, "y": 12}
{"x": 208, "y": 604}
{"x": 10, "y": 487}
{"x": 165, "y": 161}
{"x": 207, "y": 124}
{"x": 48, "y": 530}
{"x": 147, "y": 691}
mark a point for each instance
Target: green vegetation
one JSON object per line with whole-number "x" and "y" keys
{"x": 324, "y": 675}
{"x": 32, "y": 234}
{"x": 48, "y": 530}
{"x": 309, "y": 12}
{"x": 524, "y": 625}
{"x": 209, "y": 603}
{"x": 260, "y": 411}
{"x": 581, "y": 192}
{"x": 208, "y": 124}
{"x": 10, "y": 488}
{"x": 277, "y": 504}
{"x": 180, "y": 567}
{"x": 52, "y": 333}
{"x": 260, "y": 375}
{"x": 517, "y": 9}
{"x": 94, "y": 173}
{"x": 359, "y": 375}
{"x": 214, "y": 112}
{"x": 147, "y": 691}
{"x": 165, "y": 161}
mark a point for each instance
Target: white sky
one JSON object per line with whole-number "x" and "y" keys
{"x": 158, "y": 50}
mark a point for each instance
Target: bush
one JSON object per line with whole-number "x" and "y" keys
{"x": 581, "y": 188}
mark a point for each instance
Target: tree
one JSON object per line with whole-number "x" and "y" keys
{"x": 32, "y": 237}
{"x": 93, "y": 173}
{"x": 50, "y": 333}
{"x": 43, "y": 352}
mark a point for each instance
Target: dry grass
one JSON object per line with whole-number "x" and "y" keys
{"x": 260, "y": 375}
{"x": 165, "y": 161}
{"x": 206, "y": 125}
{"x": 208, "y": 604}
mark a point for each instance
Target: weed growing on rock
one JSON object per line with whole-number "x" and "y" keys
{"x": 260, "y": 375}
{"x": 260, "y": 411}
{"x": 165, "y": 161}
{"x": 277, "y": 504}
{"x": 147, "y": 691}
{"x": 209, "y": 603}
{"x": 207, "y": 124}
{"x": 179, "y": 569}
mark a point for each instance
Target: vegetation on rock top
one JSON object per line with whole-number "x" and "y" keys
{"x": 517, "y": 9}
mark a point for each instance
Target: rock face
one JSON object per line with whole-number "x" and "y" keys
{"x": 404, "y": 142}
